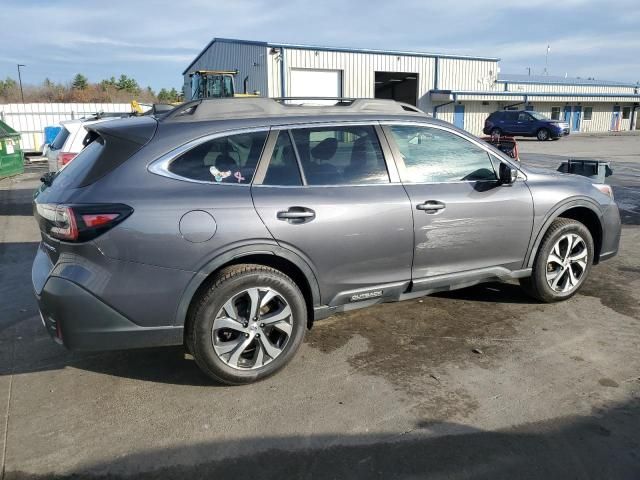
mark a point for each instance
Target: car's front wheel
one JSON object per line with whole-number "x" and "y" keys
{"x": 247, "y": 325}
{"x": 562, "y": 263}
{"x": 543, "y": 134}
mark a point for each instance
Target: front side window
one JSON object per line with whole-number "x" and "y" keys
{"x": 231, "y": 159}
{"x": 343, "y": 155}
{"x": 524, "y": 117}
{"x": 432, "y": 155}
{"x": 537, "y": 116}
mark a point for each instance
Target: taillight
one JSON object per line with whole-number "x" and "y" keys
{"x": 65, "y": 157}
{"x": 80, "y": 223}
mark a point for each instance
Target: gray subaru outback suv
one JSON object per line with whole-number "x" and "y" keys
{"x": 229, "y": 226}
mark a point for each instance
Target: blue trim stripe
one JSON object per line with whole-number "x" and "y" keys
{"x": 548, "y": 94}
{"x": 555, "y": 80}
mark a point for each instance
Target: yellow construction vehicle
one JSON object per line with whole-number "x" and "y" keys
{"x": 216, "y": 84}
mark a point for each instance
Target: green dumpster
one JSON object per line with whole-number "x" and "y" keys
{"x": 11, "y": 157}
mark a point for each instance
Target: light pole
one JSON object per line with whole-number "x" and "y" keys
{"x": 20, "y": 81}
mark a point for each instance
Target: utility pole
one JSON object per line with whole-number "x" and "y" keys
{"x": 529, "y": 69}
{"x": 20, "y": 81}
{"x": 546, "y": 62}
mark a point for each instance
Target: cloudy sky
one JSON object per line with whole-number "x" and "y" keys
{"x": 153, "y": 41}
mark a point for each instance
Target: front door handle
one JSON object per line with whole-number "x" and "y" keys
{"x": 431, "y": 206}
{"x": 296, "y": 215}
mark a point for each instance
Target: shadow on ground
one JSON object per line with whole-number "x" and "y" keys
{"x": 602, "y": 445}
{"x": 16, "y": 202}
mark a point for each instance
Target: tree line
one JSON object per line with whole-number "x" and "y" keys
{"x": 80, "y": 89}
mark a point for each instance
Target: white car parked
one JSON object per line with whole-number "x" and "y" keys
{"x": 70, "y": 141}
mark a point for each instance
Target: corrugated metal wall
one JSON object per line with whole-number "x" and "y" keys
{"x": 263, "y": 64}
{"x": 467, "y": 74}
{"x": 30, "y": 118}
{"x": 250, "y": 60}
{"x": 475, "y": 114}
{"x": 358, "y": 70}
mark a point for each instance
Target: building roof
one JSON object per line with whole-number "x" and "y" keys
{"x": 336, "y": 49}
{"x": 556, "y": 80}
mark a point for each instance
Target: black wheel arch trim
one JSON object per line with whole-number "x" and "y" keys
{"x": 553, "y": 215}
{"x": 244, "y": 251}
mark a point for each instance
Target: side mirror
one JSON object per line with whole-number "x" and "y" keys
{"x": 507, "y": 174}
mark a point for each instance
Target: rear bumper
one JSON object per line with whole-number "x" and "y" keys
{"x": 77, "y": 318}
{"x": 80, "y": 321}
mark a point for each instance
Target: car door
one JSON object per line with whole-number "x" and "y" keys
{"x": 524, "y": 124}
{"x": 464, "y": 220}
{"x": 510, "y": 123}
{"x": 327, "y": 193}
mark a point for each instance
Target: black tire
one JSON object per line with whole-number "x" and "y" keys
{"x": 543, "y": 135}
{"x": 228, "y": 283}
{"x": 496, "y": 132}
{"x": 537, "y": 285}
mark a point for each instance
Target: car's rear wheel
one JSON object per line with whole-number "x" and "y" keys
{"x": 247, "y": 325}
{"x": 562, "y": 263}
{"x": 543, "y": 134}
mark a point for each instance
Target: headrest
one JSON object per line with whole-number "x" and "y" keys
{"x": 326, "y": 149}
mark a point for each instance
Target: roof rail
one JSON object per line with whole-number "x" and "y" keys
{"x": 223, "y": 108}
{"x": 341, "y": 100}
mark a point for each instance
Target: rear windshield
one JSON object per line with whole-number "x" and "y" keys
{"x": 74, "y": 173}
{"x": 58, "y": 142}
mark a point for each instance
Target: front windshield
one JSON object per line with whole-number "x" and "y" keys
{"x": 538, "y": 116}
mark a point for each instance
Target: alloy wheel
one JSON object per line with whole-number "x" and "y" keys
{"x": 567, "y": 263}
{"x": 252, "y": 328}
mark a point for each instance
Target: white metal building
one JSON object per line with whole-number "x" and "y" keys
{"x": 460, "y": 89}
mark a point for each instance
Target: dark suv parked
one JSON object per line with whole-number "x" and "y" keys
{"x": 231, "y": 225}
{"x": 524, "y": 124}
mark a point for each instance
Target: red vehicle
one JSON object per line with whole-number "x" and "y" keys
{"x": 507, "y": 145}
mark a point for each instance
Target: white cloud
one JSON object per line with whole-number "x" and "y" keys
{"x": 154, "y": 40}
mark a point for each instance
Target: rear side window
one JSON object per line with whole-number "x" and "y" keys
{"x": 58, "y": 142}
{"x": 231, "y": 159}
{"x": 344, "y": 155}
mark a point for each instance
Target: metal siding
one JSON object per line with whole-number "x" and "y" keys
{"x": 30, "y": 118}
{"x": 457, "y": 74}
{"x": 234, "y": 56}
{"x": 358, "y": 70}
{"x": 476, "y": 113}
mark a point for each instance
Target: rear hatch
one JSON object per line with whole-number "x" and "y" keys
{"x": 65, "y": 224}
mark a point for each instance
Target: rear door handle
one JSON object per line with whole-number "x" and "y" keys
{"x": 296, "y": 215}
{"x": 431, "y": 206}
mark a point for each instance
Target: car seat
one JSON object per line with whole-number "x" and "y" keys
{"x": 319, "y": 173}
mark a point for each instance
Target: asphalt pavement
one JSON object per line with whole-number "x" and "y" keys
{"x": 478, "y": 383}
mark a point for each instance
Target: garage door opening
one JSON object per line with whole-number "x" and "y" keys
{"x": 312, "y": 83}
{"x": 399, "y": 86}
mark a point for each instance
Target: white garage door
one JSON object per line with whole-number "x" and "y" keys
{"x": 315, "y": 83}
